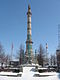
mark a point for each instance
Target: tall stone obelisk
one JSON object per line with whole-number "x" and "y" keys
{"x": 29, "y": 52}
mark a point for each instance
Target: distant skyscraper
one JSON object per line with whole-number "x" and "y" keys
{"x": 29, "y": 52}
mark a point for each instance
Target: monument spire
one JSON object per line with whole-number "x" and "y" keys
{"x": 29, "y": 42}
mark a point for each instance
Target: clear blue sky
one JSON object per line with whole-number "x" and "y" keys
{"x": 13, "y": 23}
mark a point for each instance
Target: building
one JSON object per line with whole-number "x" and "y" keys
{"x": 29, "y": 51}
{"x": 14, "y": 63}
{"x": 58, "y": 58}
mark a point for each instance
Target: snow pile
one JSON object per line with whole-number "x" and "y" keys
{"x": 10, "y": 74}
{"x": 28, "y": 73}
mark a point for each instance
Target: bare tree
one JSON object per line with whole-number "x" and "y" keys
{"x": 2, "y": 55}
{"x": 7, "y": 59}
{"x": 53, "y": 60}
{"x": 20, "y": 54}
{"x": 41, "y": 55}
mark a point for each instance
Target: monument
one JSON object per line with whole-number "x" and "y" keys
{"x": 29, "y": 51}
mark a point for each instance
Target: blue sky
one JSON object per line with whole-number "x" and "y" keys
{"x": 13, "y": 23}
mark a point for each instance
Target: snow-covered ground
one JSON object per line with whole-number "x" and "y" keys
{"x": 28, "y": 74}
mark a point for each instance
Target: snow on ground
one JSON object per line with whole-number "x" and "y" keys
{"x": 28, "y": 73}
{"x": 9, "y": 73}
